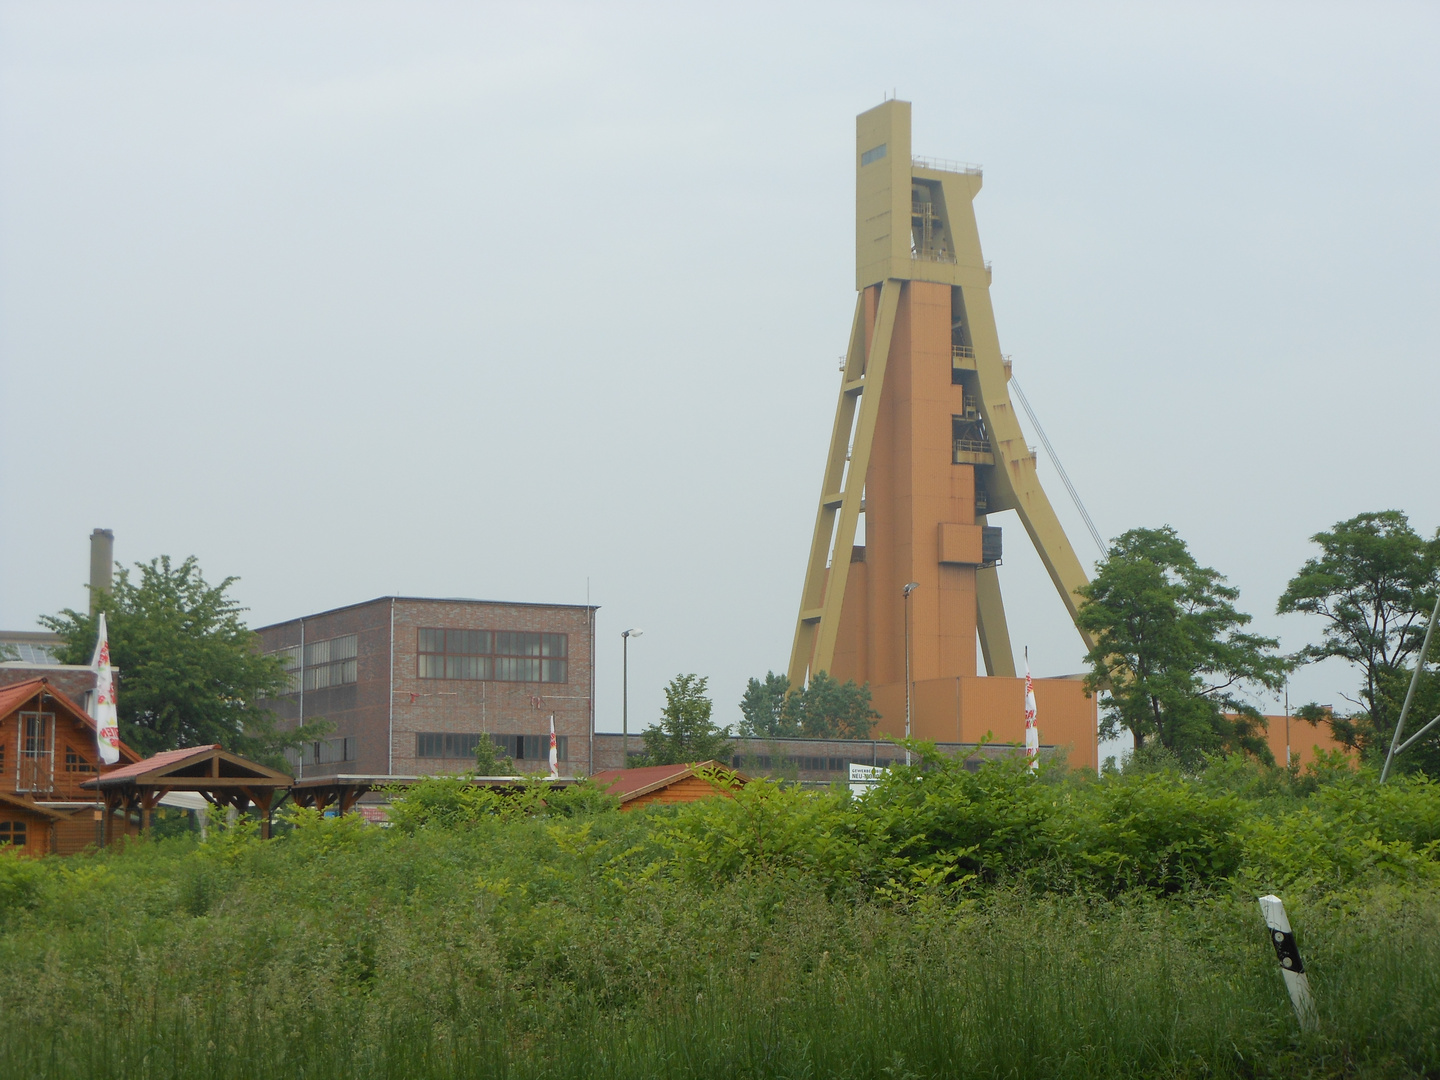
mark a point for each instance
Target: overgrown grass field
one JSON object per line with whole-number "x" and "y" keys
{"x": 948, "y": 924}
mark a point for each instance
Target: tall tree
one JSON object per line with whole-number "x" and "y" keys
{"x": 762, "y": 708}
{"x": 825, "y": 709}
{"x": 190, "y": 671}
{"x": 1374, "y": 584}
{"x": 1170, "y": 652}
{"x": 686, "y": 733}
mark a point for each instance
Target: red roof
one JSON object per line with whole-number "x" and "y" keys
{"x": 17, "y": 694}
{"x": 632, "y": 783}
{"x": 159, "y": 761}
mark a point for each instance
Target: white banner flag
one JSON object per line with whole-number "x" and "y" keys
{"x": 102, "y": 706}
{"x": 1032, "y": 733}
{"x": 554, "y": 751}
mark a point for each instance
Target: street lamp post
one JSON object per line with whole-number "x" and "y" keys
{"x": 909, "y": 588}
{"x": 625, "y": 695}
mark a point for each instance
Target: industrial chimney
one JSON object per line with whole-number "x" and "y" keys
{"x": 102, "y": 565}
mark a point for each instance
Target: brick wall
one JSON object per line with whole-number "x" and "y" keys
{"x": 805, "y": 759}
{"x": 386, "y": 712}
{"x": 72, "y": 680}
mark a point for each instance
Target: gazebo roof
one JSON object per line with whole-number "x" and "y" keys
{"x": 193, "y": 768}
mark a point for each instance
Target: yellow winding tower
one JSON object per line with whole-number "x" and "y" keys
{"x": 926, "y": 446}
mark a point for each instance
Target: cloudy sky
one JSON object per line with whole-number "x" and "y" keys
{"x": 520, "y": 301}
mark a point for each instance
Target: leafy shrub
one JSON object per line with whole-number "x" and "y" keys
{"x": 20, "y": 880}
{"x": 450, "y": 802}
{"x": 1155, "y": 831}
{"x": 766, "y": 825}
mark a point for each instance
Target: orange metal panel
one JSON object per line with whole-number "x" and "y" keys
{"x": 960, "y": 543}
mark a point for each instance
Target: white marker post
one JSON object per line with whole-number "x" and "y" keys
{"x": 1292, "y": 968}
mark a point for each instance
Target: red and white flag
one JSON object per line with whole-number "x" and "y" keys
{"x": 102, "y": 707}
{"x": 1032, "y": 733}
{"x": 554, "y": 751}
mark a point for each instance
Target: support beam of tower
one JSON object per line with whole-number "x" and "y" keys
{"x": 925, "y": 445}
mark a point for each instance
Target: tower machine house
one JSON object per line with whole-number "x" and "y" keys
{"x": 926, "y": 448}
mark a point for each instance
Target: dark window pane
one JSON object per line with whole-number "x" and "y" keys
{"x": 432, "y": 640}
{"x": 554, "y": 671}
{"x": 554, "y": 645}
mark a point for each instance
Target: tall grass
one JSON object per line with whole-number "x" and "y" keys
{"x": 580, "y": 947}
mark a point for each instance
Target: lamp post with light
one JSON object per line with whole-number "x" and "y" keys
{"x": 625, "y": 637}
{"x": 909, "y": 588}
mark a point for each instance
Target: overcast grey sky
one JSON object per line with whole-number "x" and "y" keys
{"x": 495, "y": 300}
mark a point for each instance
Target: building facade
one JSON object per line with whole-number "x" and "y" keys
{"x": 412, "y": 684}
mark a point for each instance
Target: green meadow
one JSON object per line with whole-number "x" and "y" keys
{"x": 948, "y": 924}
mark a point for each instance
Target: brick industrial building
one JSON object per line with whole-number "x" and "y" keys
{"x": 411, "y": 684}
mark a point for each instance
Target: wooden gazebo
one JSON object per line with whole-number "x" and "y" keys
{"x": 225, "y": 779}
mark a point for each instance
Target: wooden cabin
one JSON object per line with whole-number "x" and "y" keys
{"x": 670, "y": 783}
{"x": 47, "y": 750}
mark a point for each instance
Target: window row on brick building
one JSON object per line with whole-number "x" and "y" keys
{"x": 806, "y": 762}
{"x": 501, "y": 655}
{"x": 332, "y": 662}
{"x": 461, "y": 745}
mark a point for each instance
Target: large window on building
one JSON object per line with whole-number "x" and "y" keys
{"x": 508, "y": 656}
{"x": 321, "y": 664}
{"x": 331, "y": 663}
{"x": 448, "y": 744}
{"x": 328, "y": 751}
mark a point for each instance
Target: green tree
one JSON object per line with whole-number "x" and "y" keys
{"x": 762, "y": 708}
{"x": 825, "y": 709}
{"x": 686, "y": 733}
{"x": 190, "y": 671}
{"x": 1170, "y": 652}
{"x": 490, "y": 759}
{"x": 1374, "y": 585}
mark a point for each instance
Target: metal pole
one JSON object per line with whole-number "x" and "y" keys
{"x": 911, "y": 587}
{"x": 625, "y": 700}
{"x": 1410, "y": 694}
{"x": 1287, "y": 724}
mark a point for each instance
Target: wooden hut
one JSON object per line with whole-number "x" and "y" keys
{"x": 670, "y": 783}
{"x": 47, "y": 752}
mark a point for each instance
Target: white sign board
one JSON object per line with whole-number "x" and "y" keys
{"x": 864, "y": 777}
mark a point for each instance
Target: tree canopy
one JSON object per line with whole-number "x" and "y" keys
{"x": 1373, "y": 584}
{"x": 189, "y": 670}
{"x": 685, "y": 732}
{"x": 825, "y": 709}
{"x": 1170, "y": 652}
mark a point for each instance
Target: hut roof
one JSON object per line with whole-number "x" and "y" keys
{"x": 16, "y": 802}
{"x": 17, "y": 694}
{"x": 632, "y": 783}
